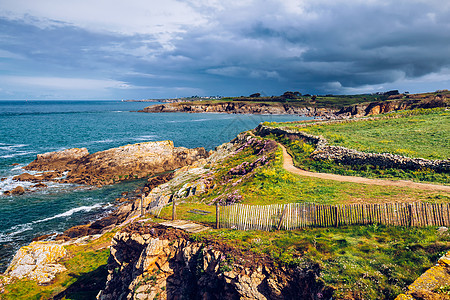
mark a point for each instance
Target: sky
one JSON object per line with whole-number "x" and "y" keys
{"x": 141, "y": 49}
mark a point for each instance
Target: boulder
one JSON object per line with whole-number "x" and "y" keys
{"x": 26, "y": 177}
{"x": 40, "y": 185}
{"x": 18, "y": 191}
{"x": 37, "y": 261}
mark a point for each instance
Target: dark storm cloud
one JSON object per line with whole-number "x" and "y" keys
{"x": 236, "y": 47}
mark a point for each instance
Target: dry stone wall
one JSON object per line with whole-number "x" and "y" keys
{"x": 344, "y": 155}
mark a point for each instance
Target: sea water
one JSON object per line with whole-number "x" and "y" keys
{"x": 31, "y": 127}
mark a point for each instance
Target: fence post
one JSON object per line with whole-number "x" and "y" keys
{"x": 174, "y": 212}
{"x": 336, "y": 224}
{"x": 142, "y": 204}
{"x": 282, "y": 216}
{"x": 410, "y": 215}
{"x": 217, "y": 215}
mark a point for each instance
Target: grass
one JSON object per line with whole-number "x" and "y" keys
{"x": 359, "y": 262}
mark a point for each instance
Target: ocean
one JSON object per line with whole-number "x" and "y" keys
{"x": 31, "y": 127}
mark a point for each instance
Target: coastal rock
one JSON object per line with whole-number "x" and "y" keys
{"x": 37, "y": 261}
{"x": 427, "y": 286}
{"x": 26, "y": 177}
{"x": 59, "y": 160}
{"x": 46, "y": 176}
{"x": 117, "y": 164}
{"x": 357, "y": 110}
{"x": 230, "y": 107}
{"x": 133, "y": 161}
{"x": 40, "y": 185}
{"x": 19, "y": 190}
{"x": 153, "y": 261}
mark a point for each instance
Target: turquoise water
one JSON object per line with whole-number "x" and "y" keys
{"x": 29, "y": 128}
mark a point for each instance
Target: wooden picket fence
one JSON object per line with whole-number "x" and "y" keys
{"x": 299, "y": 215}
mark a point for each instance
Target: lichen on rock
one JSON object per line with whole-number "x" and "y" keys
{"x": 37, "y": 261}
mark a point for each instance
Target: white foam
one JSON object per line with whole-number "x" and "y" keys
{"x": 20, "y": 153}
{"x": 18, "y": 167}
{"x": 14, "y": 231}
{"x": 146, "y": 137}
{"x": 70, "y": 212}
{"x": 102, "y": 141}
{"x": 11, "y": 147}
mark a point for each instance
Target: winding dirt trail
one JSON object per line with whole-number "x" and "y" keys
{"x": 288, "y": 165}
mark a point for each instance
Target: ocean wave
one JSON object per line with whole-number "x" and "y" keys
{"x": 19, "y": 153}
{"x": 70, "y": 212}
{"x": 9, "y": 234}
{"x": 102, "y": 141}
{"x": 7, "y": 147}
{"x": 145, "y": 137}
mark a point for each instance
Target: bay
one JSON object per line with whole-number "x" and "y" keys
{"x": 31, "y": 127}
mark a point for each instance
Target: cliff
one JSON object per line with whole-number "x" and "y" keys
{"x": 357, "y": 110}
{"x": 155, "y": 262}
{"x": 238, "y": 108}
{"x": 116, "y": 164}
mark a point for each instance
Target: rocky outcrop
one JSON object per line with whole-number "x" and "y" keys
{"x": 19, "y": 190}
{"x": 154, "y": 262}
{"x": 382, "y": 107}
{"x": 109, "y": 166}
{"x": 38, "y": 262}
{"x": 64, "y": 160}
{"x": 344, "y": 155}
{"x": 431, "y": 285}
{"x": 238, "y": 108}
{"x": 46, "y": 176}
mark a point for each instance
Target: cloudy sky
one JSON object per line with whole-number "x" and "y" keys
{"x": 136, "y": 49}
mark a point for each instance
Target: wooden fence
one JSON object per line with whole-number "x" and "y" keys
{"x": 298, "y": 215}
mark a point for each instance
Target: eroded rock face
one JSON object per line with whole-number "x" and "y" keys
{"x": 37, "y": 261}
{"x": 162, "y": 263}
{"x": 235, "y": 108}
{"x": 109, "y": 166}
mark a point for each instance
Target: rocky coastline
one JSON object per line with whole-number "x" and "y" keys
{"x": 107, "y": 167}
{"x": 149, "y": 260}
{"x": 352, "y": 111}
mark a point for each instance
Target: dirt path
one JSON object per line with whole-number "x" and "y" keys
{"x": 288, "y": 165}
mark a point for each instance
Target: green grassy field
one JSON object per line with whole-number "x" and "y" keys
{"x": 424, "y": 134}
{"x": 416, "y": 133}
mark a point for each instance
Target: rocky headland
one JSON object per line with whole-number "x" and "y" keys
{"x": 112, "y": 165}
{"x": 357, "y": 110}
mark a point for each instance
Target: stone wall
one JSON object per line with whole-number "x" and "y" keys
{"x": 344, "y": 155}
